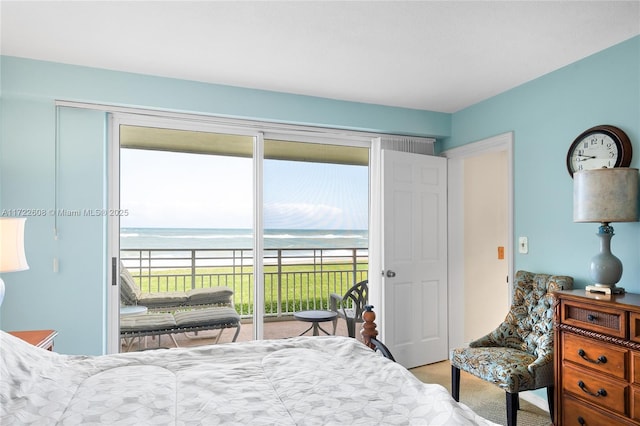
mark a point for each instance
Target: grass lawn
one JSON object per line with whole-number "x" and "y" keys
{"x": 298, "y": 286}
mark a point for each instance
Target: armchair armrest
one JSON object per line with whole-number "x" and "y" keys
{"x": 542, "y": 369}
{"x": 544, "y": 351}
{"x": 483, "y": 342}
{"x": 540, "y": 363}
{"x": 335, "y": 301}
{"x": 496, "y": 338}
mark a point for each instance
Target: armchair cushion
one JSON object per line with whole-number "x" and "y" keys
{"x": 507, "y": 368}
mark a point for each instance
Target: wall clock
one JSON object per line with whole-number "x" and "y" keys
{"x": 598, "y": 147}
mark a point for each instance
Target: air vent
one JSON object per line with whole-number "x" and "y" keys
{"x": 422, "y": 146}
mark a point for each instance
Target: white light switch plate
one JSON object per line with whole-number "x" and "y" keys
{"x": 523, "y": 245}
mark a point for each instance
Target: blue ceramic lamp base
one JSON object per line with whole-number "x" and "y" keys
{"x": 606, "y": 269}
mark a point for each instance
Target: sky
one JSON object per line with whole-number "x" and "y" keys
{"x": 161, "y": 189}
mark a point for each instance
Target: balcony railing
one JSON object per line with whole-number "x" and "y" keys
{"x": 294, "y": 279}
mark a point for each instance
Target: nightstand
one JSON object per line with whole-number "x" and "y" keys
{"x": 39, "y": 338}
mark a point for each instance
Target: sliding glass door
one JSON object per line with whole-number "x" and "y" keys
{"x": 281, "y": 223}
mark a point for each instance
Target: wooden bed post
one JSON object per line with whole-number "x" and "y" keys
{"x": 369, "y": 327}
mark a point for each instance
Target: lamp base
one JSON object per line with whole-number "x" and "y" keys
{"x": 604, "y": 289}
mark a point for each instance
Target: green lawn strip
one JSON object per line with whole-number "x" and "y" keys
{"x": 302, "y": 287}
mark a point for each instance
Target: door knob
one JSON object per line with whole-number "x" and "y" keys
{"x": 390, "y": 273}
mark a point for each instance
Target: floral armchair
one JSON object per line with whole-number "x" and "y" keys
{"x": 518, "y": 355}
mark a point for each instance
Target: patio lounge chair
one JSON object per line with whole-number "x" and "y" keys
{"x": 152, "y": 324}
{"x": 130, "y": 294}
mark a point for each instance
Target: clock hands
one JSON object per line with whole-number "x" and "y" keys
{"x": 584, "y": 157}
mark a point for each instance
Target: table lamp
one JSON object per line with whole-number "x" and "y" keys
{"x": 12, "y": 257}
{"x": 605, "y": 195}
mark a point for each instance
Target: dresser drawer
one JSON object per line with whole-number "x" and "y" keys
{"x": 602, "y": 357}
{"x": 635, "y": 403}
{"x": 635, "y": 367}
{"x": 595, "y": 318}
{"x": 578, "y": 413}
{"x": 634, "y": 327}
{"x": 595, "y": 388}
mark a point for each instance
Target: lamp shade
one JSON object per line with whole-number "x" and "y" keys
{"x": 12, "y": 256}
{"x": 605, "y": 195}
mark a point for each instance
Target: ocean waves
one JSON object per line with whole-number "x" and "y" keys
{"x": 187, "y": 238}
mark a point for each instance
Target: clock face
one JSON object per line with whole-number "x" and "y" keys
{"x": 594, "y": 151}
{"x": 598, "y": 147}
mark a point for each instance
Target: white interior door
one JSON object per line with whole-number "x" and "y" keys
{"x": 415, "y": 257}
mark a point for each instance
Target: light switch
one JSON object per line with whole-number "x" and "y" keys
{"x": 523, "y": 245}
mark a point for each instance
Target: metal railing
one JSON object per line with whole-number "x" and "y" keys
{"x": 294, "y": 279}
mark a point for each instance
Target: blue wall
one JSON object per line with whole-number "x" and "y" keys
{"x": 546, "y": 115}
{"x": 72, "y": 300}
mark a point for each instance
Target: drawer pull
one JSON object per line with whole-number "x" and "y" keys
{"x": 592, "y": 317}
{"x": 581, "y": 420}
{"x": 601, "y": 392}
{"x": 601, "y": 359}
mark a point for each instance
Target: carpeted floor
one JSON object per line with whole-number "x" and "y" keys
{"x": 484, "y": 398}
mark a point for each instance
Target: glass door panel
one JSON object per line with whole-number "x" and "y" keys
{"x": 315, "y": 210}
{"x": 188, "y": 198}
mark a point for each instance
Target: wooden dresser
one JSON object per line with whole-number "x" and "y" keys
{"x": 597, "y": 359}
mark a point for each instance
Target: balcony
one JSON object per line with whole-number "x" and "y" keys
{"x": 294, "y": 279}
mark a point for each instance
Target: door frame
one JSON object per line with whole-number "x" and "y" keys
{"x": 456, "y": 157}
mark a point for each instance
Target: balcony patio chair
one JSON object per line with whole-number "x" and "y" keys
{"x": 130, "y": 294}
{"x": 350, "y": 306}
{"x": 518, "y": 355}
{"x": 195, "y": 320}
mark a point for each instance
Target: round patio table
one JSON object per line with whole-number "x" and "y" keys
{"x": 132, "y": 310}
{"x": 315, "y": 317}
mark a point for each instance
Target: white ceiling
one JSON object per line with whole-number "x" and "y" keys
{"x": 434, "y": 55}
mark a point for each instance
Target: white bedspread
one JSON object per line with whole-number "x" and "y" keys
{"x": 298, "y": 381}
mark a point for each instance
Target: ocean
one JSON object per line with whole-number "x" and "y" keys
{"x": 187, "y": 238}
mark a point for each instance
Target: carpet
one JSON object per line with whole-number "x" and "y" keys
{"x": 482, "y": 397}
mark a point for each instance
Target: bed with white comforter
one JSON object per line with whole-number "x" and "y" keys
{"x": 298, "y": 381}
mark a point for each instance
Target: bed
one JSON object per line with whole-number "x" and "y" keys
{"x": 298, "y": 381}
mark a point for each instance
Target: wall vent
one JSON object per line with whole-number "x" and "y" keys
{"x": 424, "y": 146}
